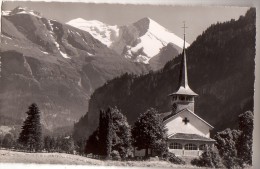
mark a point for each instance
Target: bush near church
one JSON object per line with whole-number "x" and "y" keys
{"x": 209, "y": 158}
{"x": 168, "y": 156}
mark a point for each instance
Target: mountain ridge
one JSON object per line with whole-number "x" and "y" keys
{"x": 138, "y": 42}
{"x": 53, "y": 64}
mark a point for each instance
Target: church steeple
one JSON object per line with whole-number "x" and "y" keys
{"x": 184, "y": 96}
{"x": 183, "y": 78}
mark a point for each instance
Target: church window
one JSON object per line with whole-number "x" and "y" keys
{"x": 177, "y": 146}
{"x": 190, "y": 147}
{"x": 202, "y": 147}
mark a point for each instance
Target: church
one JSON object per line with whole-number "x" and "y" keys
{"x": 187, "y": 132}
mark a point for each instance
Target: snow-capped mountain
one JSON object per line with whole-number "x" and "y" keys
{"x": 139, "y": 41}
{"x": 21, "y": 10}
{"x": 104, "y": 33}
{"x": 54, "y": 65}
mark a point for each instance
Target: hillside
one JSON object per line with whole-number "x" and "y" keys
{"x": 220, "y": 69}
{"x": 54, "y": 65}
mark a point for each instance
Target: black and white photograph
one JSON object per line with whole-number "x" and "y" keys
{"x": 127, "y": 85}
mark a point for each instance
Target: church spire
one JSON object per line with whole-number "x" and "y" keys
{"x": 183, "y": 78}
{"x": 183, "y": 86}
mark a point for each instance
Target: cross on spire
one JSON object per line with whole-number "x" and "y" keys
{"x": 185, "y": 120}
{"x": 184, "y": 27}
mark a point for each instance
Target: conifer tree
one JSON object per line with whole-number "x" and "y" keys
{"x": 92, "y": 144}
{"x": 31, "y": 134}
{"x": 109, "y": 133}
{"x": 67, "y": 144}
{"x": 47, "y": 143}
{"x": 52, "y": 144}
{"x": 102, "y": 132}
{"x": 112, "y": 135}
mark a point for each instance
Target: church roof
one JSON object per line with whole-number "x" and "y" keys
{"x": 184, "y": 91}
{"x": 165, "y": 115}
{"x": 185, "y": 136}
{"x": 183, "y": 87}
{"x": 170, "y": 115}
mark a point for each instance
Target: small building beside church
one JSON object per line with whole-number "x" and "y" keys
{"x": 187, "y": 132}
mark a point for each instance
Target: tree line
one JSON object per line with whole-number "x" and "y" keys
{"x": 233, "y": 148}
{"x": 115, "y": 139}
{"x": 31, "y": 138}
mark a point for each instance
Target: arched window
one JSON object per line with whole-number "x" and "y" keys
{"x": 177, "y": 146}
{"x": 171, "y": 146}
{"x": 202, "y": 146}
{"x": 190, "y": 147}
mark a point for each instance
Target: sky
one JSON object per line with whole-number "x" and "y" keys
{"x": 197, "y": 18}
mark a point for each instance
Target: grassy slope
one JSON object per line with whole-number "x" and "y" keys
{"x": 7, "y": 156}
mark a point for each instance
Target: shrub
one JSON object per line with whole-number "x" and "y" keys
{"x": 209, "y": 158}
{"x": 115, "y": 155}
{"x": 226, "y": 142}
{"x": 8, "y": 141}
{"x": 168, "y": 156}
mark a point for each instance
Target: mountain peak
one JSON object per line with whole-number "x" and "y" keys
{"x": 82, "y": 22}
{"x": 99, "y": 30}
{"x": 21, "y": 10}
{"x": 78, "y": 20}
{"x": 139, "y": 41}
{"x": 145, "y": 19}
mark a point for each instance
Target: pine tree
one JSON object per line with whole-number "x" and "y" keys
{"x": 80, "y": 146}
{"x": 92, "y": 144}
{"x": 67, "y": 144}
{"x": 149, "y": 132}
{"x": 106, "y": 132}
{"x": 31, "y": 134}
{"x": 47, "y": 143}
{"x": 58, "y": 144}
{"x": 102, "y": 133}
{"x": 245, "y": 141}
{"x": 109, "y": 133}
{"x": 112, "y": 135}
{"x": 52, "y": 144}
